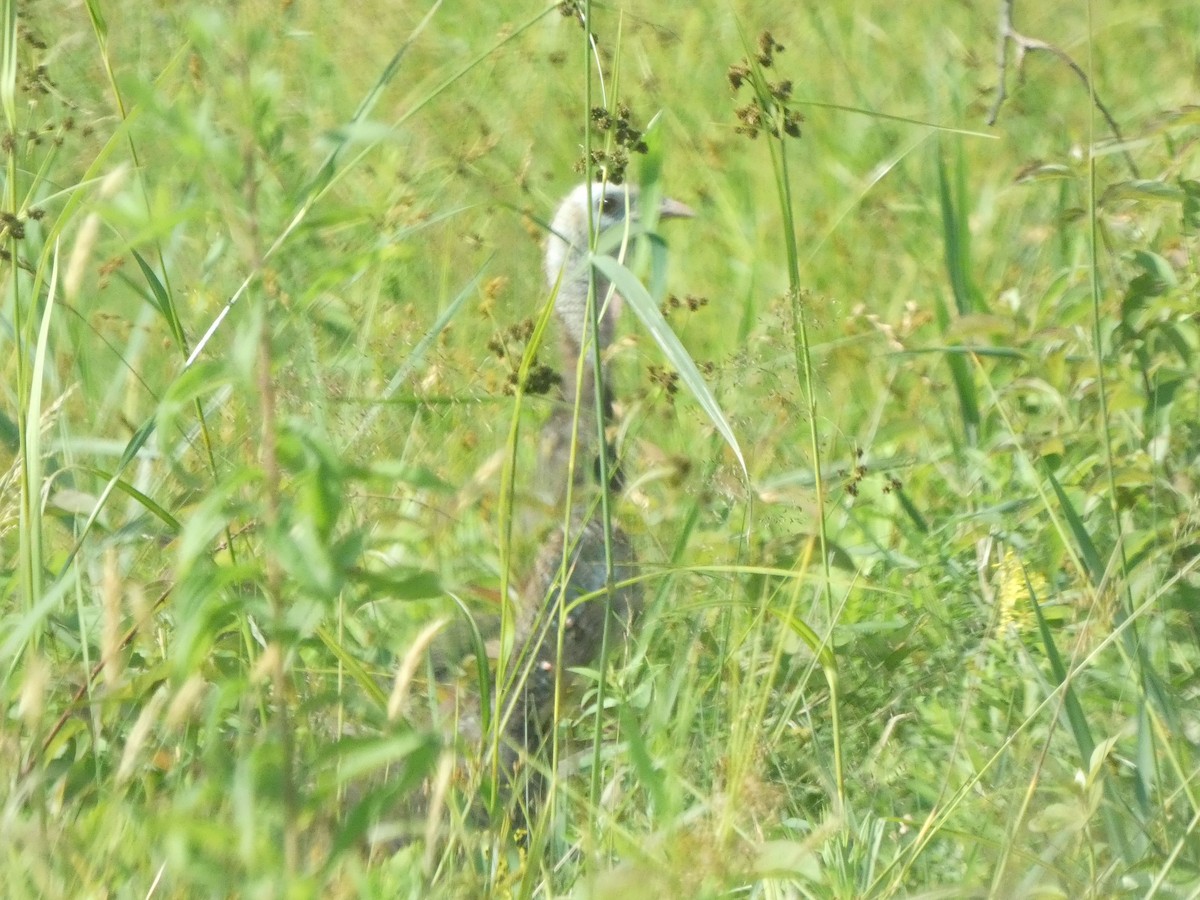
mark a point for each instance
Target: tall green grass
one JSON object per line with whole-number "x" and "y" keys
{"x": 912, "y": 452}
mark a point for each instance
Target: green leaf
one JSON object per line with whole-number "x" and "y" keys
{"x": 820, "y": 648}
{"x": 401, "y": 584}
{"x": 1144, "y": 189}
{"x": 161, "y": 300}
{"x": 1083, "y": 540}
{"x": 956, "y": 232}
{"x": 151, "y": 505}
{"x": 648, "y": 312}
{"x": 643, "y": 764}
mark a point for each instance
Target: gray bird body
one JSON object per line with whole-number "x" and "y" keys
{"x": 573, "y": 589}
{"x": 570, "y": 435}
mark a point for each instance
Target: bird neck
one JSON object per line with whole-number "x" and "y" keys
{"x": 580, "y": 383}
{"x": 575, "y": 313}
{"x": 576, "y": 306}
{"x": 579, "y": 380}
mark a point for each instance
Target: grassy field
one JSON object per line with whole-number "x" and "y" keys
{"x": 271, "y": 271}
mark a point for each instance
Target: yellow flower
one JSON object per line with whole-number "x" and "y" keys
{"x": 1014, "y": 608}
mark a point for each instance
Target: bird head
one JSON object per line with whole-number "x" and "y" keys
{"x": 604, "y": 208}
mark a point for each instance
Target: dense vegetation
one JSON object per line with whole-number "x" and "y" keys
{"x": 271, "y": 294}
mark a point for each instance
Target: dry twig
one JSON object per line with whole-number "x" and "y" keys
{"x": 1007, "y": 34}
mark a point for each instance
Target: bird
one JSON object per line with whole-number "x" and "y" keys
{"x": 571, "y": 432}
{"x": 582, "y": 577}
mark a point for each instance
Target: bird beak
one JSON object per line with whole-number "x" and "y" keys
{"x": 673, "y": 209}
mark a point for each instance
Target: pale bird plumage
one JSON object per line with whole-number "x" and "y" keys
{"x": 574, "y": 564}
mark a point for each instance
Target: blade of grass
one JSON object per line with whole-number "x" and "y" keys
{"x": 643, "y": 305}
{"x": 767, "y": 98}
{"x": 956, "y": 239}
{"x": 906, "y": 120}
{"x": 33, "y": 484}
{"x": 1078, "y": 721}
{"x": 8, "y": 71}
{"x": 417, "y": 355}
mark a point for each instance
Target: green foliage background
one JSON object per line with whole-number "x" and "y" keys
{"x": 269, "y": 273}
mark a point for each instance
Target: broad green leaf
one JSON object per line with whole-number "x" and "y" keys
{"x": 647, "y": 311}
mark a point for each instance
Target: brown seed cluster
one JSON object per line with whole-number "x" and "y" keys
{"x": 767, "y": 48}
{"x": 625, "y": 134}
{"x": 667, "y": 379}
{"x": 11, "y": 226}
{"x": 35, "y": 82}
{"x": 510, "y": 345}
{"x": 691, "y": 303}
{"x": 627, "y": 139}
{"x": 573, "y": 9}
{"x": 768, "y": 110}
{"x": 857, "y": 473}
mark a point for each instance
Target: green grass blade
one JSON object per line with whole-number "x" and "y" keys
{"x": 956, "y": 232}
{"x": 889, "y": 117}
{"x": 1083, "y": 540}
{"x": 32, "y": 557}
{"x": 130, "y": 453}
{"x": 418, "y": 353}
{"x": 648, "y": 312}
{"x": 1071, "y": 705}
{"x": 1077, "y": 719}
{"x": 161, "y": 300}
{"x": 957, "y": 245}
{"x": 8, "y": 64}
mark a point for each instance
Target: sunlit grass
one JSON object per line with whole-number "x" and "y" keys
{"x": 933, "y": 629}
